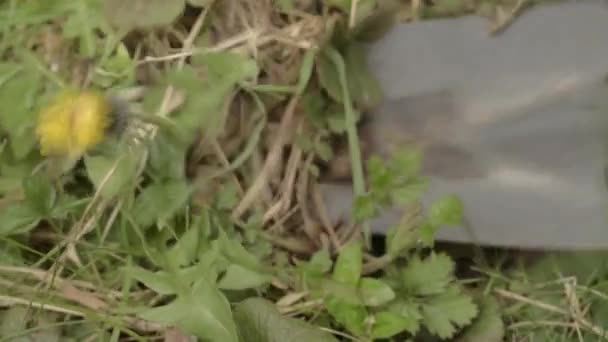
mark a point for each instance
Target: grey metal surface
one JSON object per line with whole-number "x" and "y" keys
{"x": 525, "y": 113}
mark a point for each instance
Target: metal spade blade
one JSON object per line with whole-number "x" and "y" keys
{"x": 514, "y": 124}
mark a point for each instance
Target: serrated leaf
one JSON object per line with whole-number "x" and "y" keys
{"x": 401, "y": 237}
{"x": 488, "y": 326}
{"x": 447, "y": 211}
{"x": 351, "y": 316}
{"x": 409, "y": 310}
{"x": 142, "y": 14}
{"x": 365, "y": 208}
{"x": 238, "y": 277}
{"x": 204, "y": 312}
{"x": 429, "y": 276}
{"x": 388, "y": 324}
{"x": 446, "y": 313}
{"x": 259, "y": 321}
{"x": 407, "y": 162}
{"x": 375, "y": 292}
{"x": 410, "y": 192}
{"x": 111, "y": 174}
{"x": 160, "y": 201}
{"x": 349, "y": 263}
{"x": 40, "y": 194}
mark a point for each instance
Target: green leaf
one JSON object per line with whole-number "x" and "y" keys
{"x": 160, "y": 201}
{"x": 488, "y": 326}
{"x": 351, "y": 316}
{"x": 40, "y": 194}
{"x": 410, "y": 192}
{"x": 388, "y": 324}
{"x": 429, "y": 276}
{"x": 160, "y": 282}
{"x": 378, "y": 23}
{"x": 204, "y": 312}
{"x": 234, "y": 251}
{"x": 238, "y": 277}
{"x": 259, "y": 321}
{"x": 349, "y": 264}
{"x": 445, "y": 313}
{"x": 82, "y": 23}
{"x": 365, "y": 208}
{"x": 306, "y": 70}
{"x": 410, "y": 311}
{"x": 17, "y": 219}
{"x": 110, "y": 174}
{"x": 329, "y": 77}
{"x": 364, "y": 88}
{"x": 185, "y": 250}
{"x": 447, "y": 211}
{"x": 407, "y": 162}
{"x": 143, "y": 14}
{"x": 375, "y": 292}
{"x": 346, "y": 293}
{"x": 167, "y": 158}
{"x": 401, "y": 237}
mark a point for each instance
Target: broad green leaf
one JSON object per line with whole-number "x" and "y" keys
{"x": 167, "y": 158}
{"x": 111, "y": 175}
{"x": 447, "y": 211}
{"x": 143, "y": 14}
{"x": 159, "y": 201}
{"x": 234, "y": 251}
{"x": 185, "y": 250}
{"x": 446, "y": 313}
{"x": 351, "y": 316}
{"x": 348, "y": 266}
{"x": 40, "y": 194}
{"x": 259, "y": 321}
{"x": 230, "y": 66}
{"x": 347, "y": 293}
{"x": 329, "y": 77}
{"x": 388, "y": 324}
{"x": 429, "y": 276}
{"x": 238, "y": 277}
{"x": 375, "y": 292}
{"x": 204, "y": 312}
{"x": 160, "y": 282}
{"x": 488, "y": 326}
{"x": 17, "y": 219}
{"x": 364, "y": 88}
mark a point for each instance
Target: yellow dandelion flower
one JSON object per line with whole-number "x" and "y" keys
{"x": 74, "y": 123}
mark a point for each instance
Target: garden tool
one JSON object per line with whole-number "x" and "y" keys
{"x": 514, "y": 124}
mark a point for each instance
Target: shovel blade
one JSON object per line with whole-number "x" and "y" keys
{"x": 515, "y": 125}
